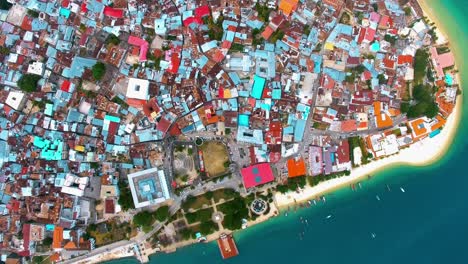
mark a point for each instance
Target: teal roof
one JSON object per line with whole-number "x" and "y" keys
{"x": 258, "y": 85}
{"x": 243, "y": 120}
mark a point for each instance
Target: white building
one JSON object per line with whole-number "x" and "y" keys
{"x": 15, "y": 99}
{"x": 36, "y": 68}
{"x": 138, "y": 89}
{"x": 148, "y": 187}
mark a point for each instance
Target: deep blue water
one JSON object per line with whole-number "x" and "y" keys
{"x": 426, "y": 224}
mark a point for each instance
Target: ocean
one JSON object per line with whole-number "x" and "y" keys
{"x": 428, "y": 223}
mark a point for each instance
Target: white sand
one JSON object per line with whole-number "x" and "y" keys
{"x": 421, "y": 153}
{"x": 442, "y": 37}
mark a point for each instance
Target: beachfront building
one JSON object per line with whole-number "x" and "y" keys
{"x": 383, "y": 145}
{"x": 256, "y": 175}
{"x": 148, "y": 187}
{"x": 315, "y": 160}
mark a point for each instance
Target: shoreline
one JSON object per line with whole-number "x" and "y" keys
{"x": 419, "y": 154}
{"x": 427, "y": 154}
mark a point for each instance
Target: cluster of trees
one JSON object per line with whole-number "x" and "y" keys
{"x": 314, "y": 180}
{"x": 215, "y": 30}
{"x": 28, "y": 82}
{"x": 234, "y": 211}
{"x": 146, "y": 219}
{"x": 358, "y": 142}
{"x": 125, "y": 197}
{"x": 237, "y": 47}
{"x": 5, "y": 5}
{"x": 112, "y": 39}
{"x": 277, "y": 35}
{"x": 292, "y": 184}
{"x": 263, "y": 12}
{"x": 424, "y": 103}
{"x": 421, "y": 59}
{"x": 201, "y": 215}
{"x": 99, "y": 70}
{"x": 391, "y": 39}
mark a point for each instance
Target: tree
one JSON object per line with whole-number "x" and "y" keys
{"x": 47, "y": 241}
{"x": 4, "y": 50}
{"x": 162, "y": 213}
{"x": 99, "y": 69}
{"x": 186, "y": 233}
{"x": 420, "y": 65}
{"x": 125, "y": 197}
{"x": 404, "y": 107}
{"x": 112, "y": 39}
{"x": 5, "y": 5}
{"x": 28, "y": 82}
{"x": 207, "y": 227}
{"x": 209, "y": 195}
{"x": 143, "y": 219}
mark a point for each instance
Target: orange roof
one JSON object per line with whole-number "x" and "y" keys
{"x": 383, "y": 120}
{"x": 296, "y": 167}
{"x": 394, "y": 112}
{"x": 70, "y": 245}
{"x": 288, "y": 6}
{"x": 418, "y": 128}
{"x": 54, "y": 257}
{"x": 348, "y": 125}
{"x": 58, "y": 237}
{"x": 441, "y": 122}
{"x": 267, "y": 33}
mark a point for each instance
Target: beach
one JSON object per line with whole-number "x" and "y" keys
{"x": 428, "y": 12}
{"x": 421, "y": 153}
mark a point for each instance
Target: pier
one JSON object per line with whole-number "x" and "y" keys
{"x": 227, "y": 246}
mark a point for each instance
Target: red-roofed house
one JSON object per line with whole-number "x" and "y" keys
{"x": 202, "y": 11}
{"x": 190, "y": 20}
{"x": 163, "y": 125}
{"x": 257, "y": 174}
{"x": 385, "y": 22}
{"x": 266, "y": 34}
{"x": 343, "y": 152}
{"x": 369, "y": 35}
{"x": 142, "y": 44}
{"x": 388, "y": 63}
{"x": 405, "y": 59}
{"x": 113, "y": 12}
{"x": 65, "y": 86}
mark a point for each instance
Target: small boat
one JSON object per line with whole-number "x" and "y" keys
{"x": 388, "y": 187}
{"x": 328, "y": 216}
{"x": 309, "y": 202}
{"x": 315, "y": 202}
{"x": 373, "y": 235}
{"x": 324, "y": 199}
{"x": 286, "y": 214}
{"x": 402, "y": 190}
{"x": 306, "y": 222}
{"x": 302, "y": 219}
{"x": 377, "y": 197}
{"x": 353, "y": 187}
{"x": 360, "y": 186}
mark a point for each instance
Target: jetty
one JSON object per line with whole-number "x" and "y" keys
{"x": 227, "y": 246}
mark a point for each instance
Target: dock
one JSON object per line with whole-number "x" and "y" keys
{"x": 227, "y": 246}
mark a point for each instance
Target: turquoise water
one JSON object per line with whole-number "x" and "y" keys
{"x": 426, "y": 224}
